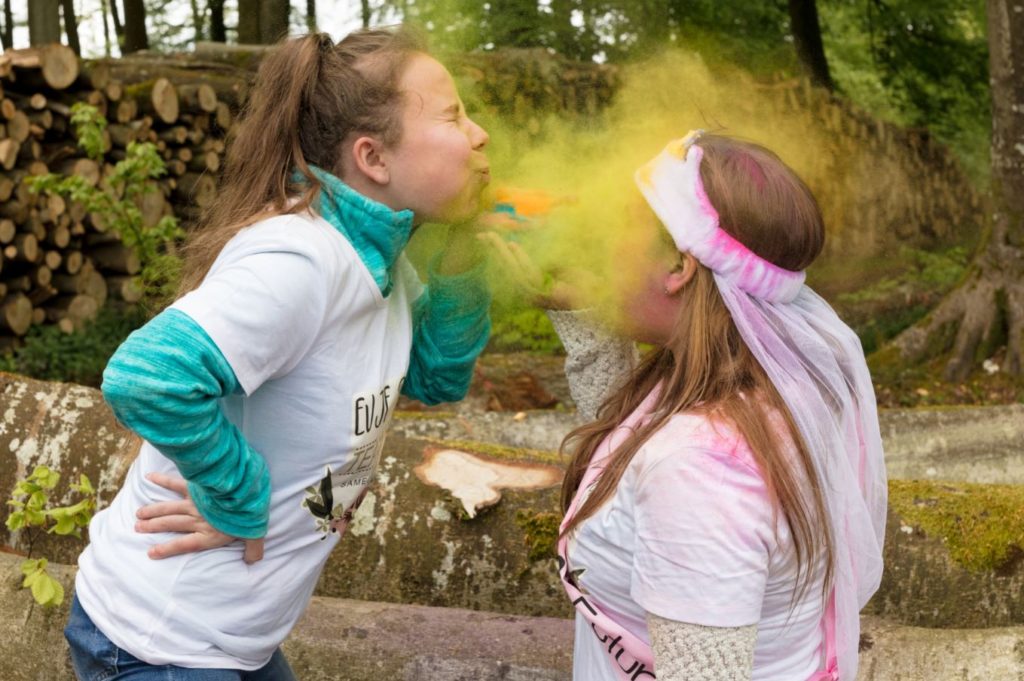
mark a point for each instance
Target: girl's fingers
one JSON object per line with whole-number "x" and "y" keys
{"x": 185, "y": 524}
{"x": 173, "y": 483}
{"x": 190, "y": 543}
{"x": 165, "y": 508}
{"x": 253, "y": 550}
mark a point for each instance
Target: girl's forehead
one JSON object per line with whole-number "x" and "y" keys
{"x": 428, "y": 77}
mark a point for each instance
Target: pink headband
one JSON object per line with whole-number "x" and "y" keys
{"x": 672, "y": 186}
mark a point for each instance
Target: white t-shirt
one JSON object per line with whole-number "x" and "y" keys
{"x": 689, "y": 535}
{"x": 321, "y": 356}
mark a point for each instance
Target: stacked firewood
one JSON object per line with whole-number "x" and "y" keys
{"x": 58, "y": 263}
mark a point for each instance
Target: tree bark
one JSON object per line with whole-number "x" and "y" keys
{"x": 803, "y": 17}
{"x": 67, "y": 8}
{"x": 249, "y": 22}
{"x": 273, "y": 20}
{"x": 987, "y": 311}
{"x": 106, "y": 27}
{"x": 43, "y": 22}
{"x": 135, "y": 36}
{"x": 116, "y": 18}
{"x": 218, "y": 32}
{"x": 7, "y": 35}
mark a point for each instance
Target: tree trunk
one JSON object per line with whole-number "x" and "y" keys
{"x": 43, "y": 22}
{"x": 803, "y": 17}
{"x": 106, "y": 27}
{"x": 198, "y": 20}
{"x": 249, "y": 22}
{"x": 987, "y": 311}
{"x": 311, "y": 15}
{"x": 273, "y": 20}
{"x": 116, "y": 18}
{"x": 135, "y": 36}
{"x": 218, "y": 32}
{"x": 67, "y": 8}
{"x": 366, "y": 13}
{"x": 7, "y": 35}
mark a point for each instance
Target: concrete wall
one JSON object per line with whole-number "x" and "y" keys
{"x": 344, "y": 640}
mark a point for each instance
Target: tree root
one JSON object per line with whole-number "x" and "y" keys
{"x": 985, "y": 310}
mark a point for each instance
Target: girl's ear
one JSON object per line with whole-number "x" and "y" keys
{"x": 367, "y": 153}
{"x": 681, "y": 274}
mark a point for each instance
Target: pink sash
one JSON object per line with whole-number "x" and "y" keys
{"x": 629, "y": 657}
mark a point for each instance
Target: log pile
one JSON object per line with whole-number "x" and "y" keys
{"x": 59, "y": 264}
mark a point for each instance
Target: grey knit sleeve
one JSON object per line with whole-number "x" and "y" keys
{"x": 692, "y": 652}
{"x": 596, "y": 363}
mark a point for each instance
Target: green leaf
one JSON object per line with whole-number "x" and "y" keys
{"x": 47, "y": 590}
{"x": 16, "y": 521}
{"x": 84, "y": 486}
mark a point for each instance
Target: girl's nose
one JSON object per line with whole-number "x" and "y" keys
{"x": 478, "y": 137}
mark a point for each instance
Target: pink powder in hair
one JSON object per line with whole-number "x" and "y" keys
{"x": 753, "y": 169}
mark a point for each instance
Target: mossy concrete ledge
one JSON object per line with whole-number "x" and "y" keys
{"x": 411, "y": 542}
{"x": 953, "y": 555}
{"x": 346, "y": 640}
{"x": 969, "y": 444}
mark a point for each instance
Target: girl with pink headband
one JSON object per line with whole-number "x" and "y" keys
{"x": 725, "y": 510}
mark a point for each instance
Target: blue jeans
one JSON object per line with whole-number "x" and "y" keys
{"x": 96, "y": 658}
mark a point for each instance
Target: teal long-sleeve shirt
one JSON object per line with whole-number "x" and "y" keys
{"x": 166, "y": 380}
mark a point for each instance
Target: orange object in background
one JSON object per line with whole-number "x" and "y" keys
{"x": 528, "y": 203}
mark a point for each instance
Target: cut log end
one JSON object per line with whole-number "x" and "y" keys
{"x": 60, "y": 65}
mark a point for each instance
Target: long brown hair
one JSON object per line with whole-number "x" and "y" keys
{"x": 706, "y": 367}
{"x": 308, "y": 97}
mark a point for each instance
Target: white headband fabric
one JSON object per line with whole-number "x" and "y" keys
{"x": 672, "y": 186}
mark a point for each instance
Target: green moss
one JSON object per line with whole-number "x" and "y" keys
{"x": 982, "y": 526}
{"x": 424, "y": 415}
{"x": 139, "y": 90}
{"x": 541, "y": 530}
{"x": 501, "y": 451}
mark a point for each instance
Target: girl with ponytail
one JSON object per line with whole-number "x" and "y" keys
{"x": 262, "y": 394}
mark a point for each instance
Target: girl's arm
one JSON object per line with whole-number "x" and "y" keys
{"x": 164, "y": 383}
{"x": 252, "y": 320}
{"x": 596, "y": 362}
{"x": 451, "y": 323}
{"x": 692, "y": 652}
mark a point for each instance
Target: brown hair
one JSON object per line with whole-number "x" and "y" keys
{"x": 308, "y": 97}
{"x": 706, "y": 367}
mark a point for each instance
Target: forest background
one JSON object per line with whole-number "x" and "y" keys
{"x": 919, "y": 64}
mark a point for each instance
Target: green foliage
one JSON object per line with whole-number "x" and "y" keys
{"x": 33, "y": 512}
{"x": 52, "y": 355}
{"x": 116, "y": 201}
{"x": 516, "y": 329}
{"x": 926, "y": 270}
{"x": 883, "y": 309}
{"x": 918, "y": 63}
